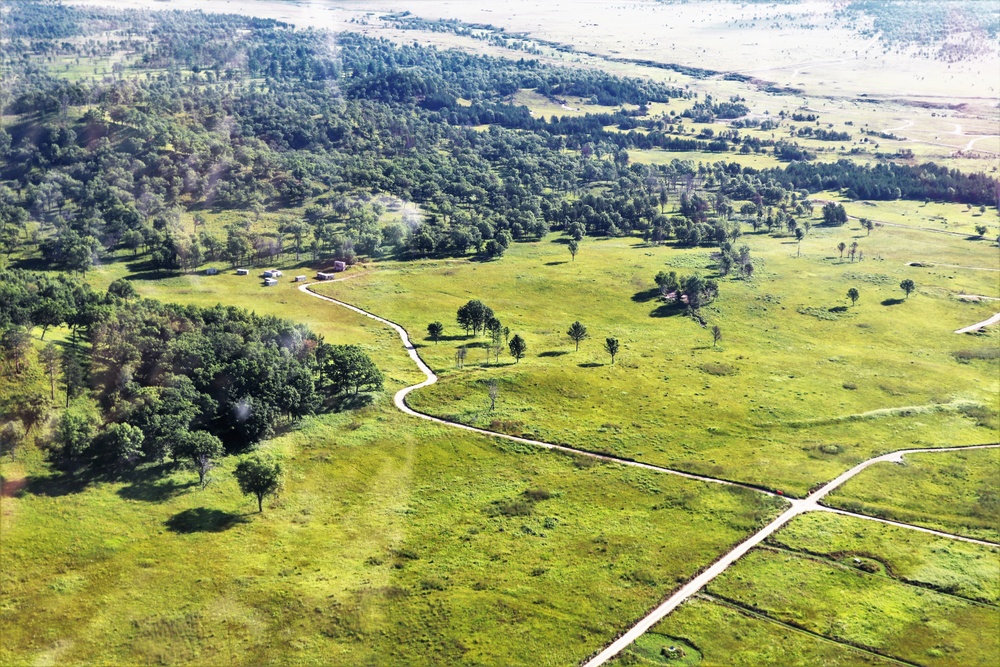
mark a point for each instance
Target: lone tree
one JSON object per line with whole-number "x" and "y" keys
{"x": 611, "y": 347}
{"x": 493, "y": 388}
{"x": 460, "y": 355}
{"x": 799, "y": 235}
{"x": 842, "y": 247}
{"x": 868, "y": 225}
{"x": 259, "y": 477}
{"x": 434, "y": 330}
{"x": 981, "y": 230}
{"x": 198, "y": 450}
{"x": 577, "y": 332}
{"x": 517, "y": 347}
{"x": 853, "y": 295}
{"x": 716, "y": 335}
{"x": 574, "y": 247}
{"x": 907, "y": 286}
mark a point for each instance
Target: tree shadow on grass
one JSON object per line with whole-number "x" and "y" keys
{"x": 56, "y": 484}
{"x": 553, "y": 353}
{"x": 349, "y": 401}
{"x": 646, "y": 295}
{"x": 203, "y": 520}
{"x": 590, "y": 364}
{"x": 555, "y": 263}
{"x": 838, "y": 309}
{"x": 564, "y": 240}
{"x": 153, "y": 491}
{"x": 667, "y": 310}
{"x": 891, "y": 302}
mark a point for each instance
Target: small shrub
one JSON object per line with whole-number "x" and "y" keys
{"x": 830, "y": 448}
{"x": 510, "y": 508}
{"x": 535, "y": 495}
{"x": 432, "y": 584}
{"x": 718, "y": 368}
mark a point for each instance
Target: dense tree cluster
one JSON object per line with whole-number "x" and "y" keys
{"x": 164, "y": 374}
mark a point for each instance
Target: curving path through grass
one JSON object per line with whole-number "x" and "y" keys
{"x": 810, "y": 503}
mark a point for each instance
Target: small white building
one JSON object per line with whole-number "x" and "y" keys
{"x": 270, "y": 282}
{"x": 324, "y": 276}
{"x": 211, "y": 271}
{"x": 339, "y": 266}
{"x": 243, "y": 272}
{"x": 272, "y": 273}
{"x": 300, "y": 279}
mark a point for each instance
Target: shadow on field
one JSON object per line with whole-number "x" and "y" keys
{"x": 555, "y": 263}
{"x": 667, "y": 309}
{"x": 590, "y": 364}
{"x": 646, "y": 295}
{"x": 553, "y": 353}
{"x": 452, "y": 337}
{"x": 203, "y": 520}
{"x": 55, "y": 485}
{"x": 153, "y": 491}
{"x": 838, "y": 309}
{"x": 892, "y": 302}
{"x": 564, "y": 240}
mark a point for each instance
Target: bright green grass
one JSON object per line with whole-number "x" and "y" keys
{"x": 383, "y": 548}
{"x": 958, "y": 492}
{"x": 725, "y": 637}
{"x": 873, "y": 611}
{"x": 814, "y": 385}
{"x": 968, "y": 570}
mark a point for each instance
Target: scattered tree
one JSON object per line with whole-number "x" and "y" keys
{"x": 50, "y": 358}
{"x": 434, "y": 330}
{"x": 577, "y": 332}
{"x": 907, "y": 286}
{"x": 853, "y": 295}
{"x": 259, "y": 477}
{"x": 716, "y": 335}
{"x": 574, "y": 247}
{"x": 611, "y": 347}
{"x": 842, "y": 247}
{"x": 518, "y": 347}
{"x": 493, "y": 388}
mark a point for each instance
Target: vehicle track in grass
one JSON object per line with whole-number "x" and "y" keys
{"x": 797, "y": 506}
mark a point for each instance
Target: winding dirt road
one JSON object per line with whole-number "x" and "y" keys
{"x": 810, "y": 503}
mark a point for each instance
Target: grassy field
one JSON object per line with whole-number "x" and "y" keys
{"x": 958, "y": 492}
{"x": 960, "y": 568}
{"x": 834, "y": 581}
{"x": 393, "y": 541}
{"x": 801, "y": 387}
{"x": 867, "y": 610}
{"x": 712, "y": 634}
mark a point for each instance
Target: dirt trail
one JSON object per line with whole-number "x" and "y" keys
{"x": 810, "y": 503}
{"x": 979, "y": 325}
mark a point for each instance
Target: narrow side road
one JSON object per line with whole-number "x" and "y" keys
{"x": 810, "y": 503}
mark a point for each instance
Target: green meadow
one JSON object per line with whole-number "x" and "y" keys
{"x": 863, "y": 609}
{"x": 802, "y": 385}
{"x": 957, "y": 492}
{"x": 392, "y": 540}
{"x": 711, "y": 634}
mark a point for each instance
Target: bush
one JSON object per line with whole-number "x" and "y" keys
{"x": 718, "y": 368}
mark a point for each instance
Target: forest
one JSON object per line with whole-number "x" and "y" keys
{"x": 164, "y": 378}
{"x": 222, "y": 112}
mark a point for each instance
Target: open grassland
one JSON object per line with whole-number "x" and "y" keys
{"x": 832, "y": 582}
{"x": 957, "y": 492}
{"x": 802, "y": 386}
{"x": 711, "y": 634}
{"x": 867, "y": 610}
{"x": 967, "y": 570}
{"x": 392, "y": 542}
